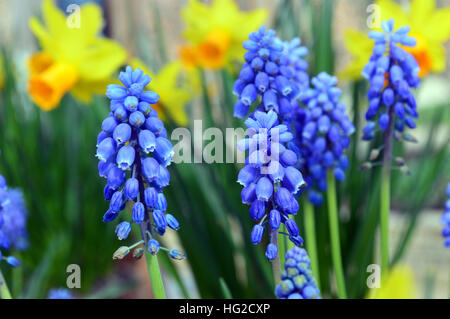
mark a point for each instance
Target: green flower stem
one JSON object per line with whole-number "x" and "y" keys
{"x": 311, "y": 245}
{"x": 334, "y": 234}
{"x": 4, "y": 291}
{"x": 155, "y": 276}
{"x": 276, "y": 265}
{"x": 385, "y": 197}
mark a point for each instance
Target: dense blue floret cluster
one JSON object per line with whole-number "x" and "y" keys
{"x": 13, "y": 217}
{"x": 445, "y": 219}
{"x": 133, "y": 154}
{"x": 391, "y": 72}
{"x": 273, "y": 75}
{"x": 297, "y": 280}
{"x": 322, "y": 130}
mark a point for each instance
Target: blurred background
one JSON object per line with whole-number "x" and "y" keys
{"x": 50, "y": 156}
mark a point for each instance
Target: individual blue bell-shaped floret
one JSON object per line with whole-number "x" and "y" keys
{"x": 134, "y": 151}
{"x": 153, "y": 247}
{"x": 297, "y": 280}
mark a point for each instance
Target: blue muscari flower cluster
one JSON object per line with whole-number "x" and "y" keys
{"x": 391, "y": 73}
{"x": 13, "y": 215}
{"x": 273, "y": 76}
{"x": 322, "y": 134}
{"x": 134, "y": 152}
{"x": 445, "y": 219}
{"x": 59, "y": 293}
{"x": 297, "y": 278}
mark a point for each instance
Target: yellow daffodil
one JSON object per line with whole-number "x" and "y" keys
{"x": 399, "y": 284}
{"x": 430, "y": 27}
{"x": 215, "y": 33}
{"x": 74, "y": 58}
{"x": 175, "y": 86}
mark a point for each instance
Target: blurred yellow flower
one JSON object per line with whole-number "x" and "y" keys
{"x": 175, "y": 87}
{"x": 2, "y": 74}
{"x": 215, "y": 33}
{"x": 430, "y": 27}
{"x": 74, "y": 58}
{"x": 399, "y": 284}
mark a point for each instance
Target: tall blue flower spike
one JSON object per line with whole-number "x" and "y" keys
{"x": 322, "y": 134}
{"x": 445, "y": 219}
{"x": 134, "y": 152}
{"x": 13, "y": 217}
{"x": 297, "y": 279}
{"x": 273, "y": 76}
{"x": 391, "y": 72}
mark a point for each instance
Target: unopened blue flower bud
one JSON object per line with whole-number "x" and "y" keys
{"x": 177, "y": 255}
{"x": 153, "y": 247}
{"x": 123, "y": 230}
{"x": 116, "y": 202}
{"x": 131, "y": 188}
{"x": 172, "y": 222}
{"x": 257, "y": 233}
{"x": 275, "y": 219}
{"x": 116, "y": 92}
{"x": 292, "y": 227}
{"x": 247, "y": 175}
{"x": 137, "y": 119}
{"x": 110, "y": 215}
{"x": 163, "y": 178}
{"x": 248, "y": 194}
{"x": 161, "y": 203}
{"x": 131, "y": 103}
{"x": 150, "y": 197}
{"x": 160, "y": 219}
{"x": 240, "y": 110}
{"x": 149, "y": 97}
{"x": 154, "y": 124}
{"x": 138, "y": 212}
{"x": 262, "y": 82}
{"x": 257, "y": 210}
{"x": 249, "y": 94}
{"x": 121, "y": 114}
{"x": 13, "y": 261}
{"x": 271, "y": 252}
{"x": 145, "y": 108}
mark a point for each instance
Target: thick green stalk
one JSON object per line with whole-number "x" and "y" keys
{"x": 4, "y": 291}
{"x": 334, "y": 234}
{"x": 385, "y": 198}
{"x": 155, "y": 276}
{"x": 311, "y": 245}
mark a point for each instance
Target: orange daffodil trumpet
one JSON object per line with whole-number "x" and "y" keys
{"x": 429, "y": 26}
{"x": 215, "y": 33}
{"x": 73, "y": 59}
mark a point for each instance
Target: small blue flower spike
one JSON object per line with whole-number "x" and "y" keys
{"x": 134, "y": 153}
{"x": 445, "y": 219}
{"x": 60, "y": 293}
{"x": 297, "y": 280}
{"x": 391, "y": 72}
{"x": 13, "y": 218}
{"x": 323, "y": 132}
{"x": 273, "y": 77}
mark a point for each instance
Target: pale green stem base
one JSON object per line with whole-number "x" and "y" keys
{"x": 311, "y": 245}
{"x": 155, "y": 276}
{"x": 4, "y": 291}
{"x": 384, "y": 218}
{"x": 334, "y": 234}
{"x": 276, "y": 265}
